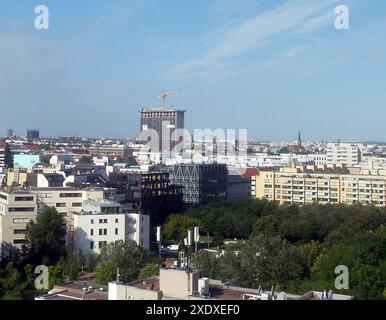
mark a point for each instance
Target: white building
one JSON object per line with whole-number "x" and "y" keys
{"x": 343, "y": 153}
{"x": 103, "y": 221}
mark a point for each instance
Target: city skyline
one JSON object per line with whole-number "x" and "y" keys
{"x": 282, "y": 65}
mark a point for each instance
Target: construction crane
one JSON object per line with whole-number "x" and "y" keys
{"x": 164, "y": 95}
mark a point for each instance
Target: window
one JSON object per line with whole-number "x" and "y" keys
{"x": 116, "y": 231}
{"x": 3, "y": 197}
{"x": 76, "y": 204}
{"x": 24, "y": 198}
{"x": 20, "y": 220}
{"x": 91, "y": 245}
{"x": 70, "y": 195}
{"x": 105, "y": 232}
{"x": 19, "y": 241}
{"x": 92, "y": 221}
{"x": 102, "y": 244}
{"x": 26, "y": 209}
{"x": 92, "y": 232}
{"x": 116, "y": 220}
{"x": 19, "y": 231}
{"x": 100, "y": 232}
{"x": 60, "y": 205}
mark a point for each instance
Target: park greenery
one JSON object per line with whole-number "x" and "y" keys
{"x": 291, "y": 248}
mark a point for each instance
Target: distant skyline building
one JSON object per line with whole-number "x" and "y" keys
{"x": 33, "y": 134}
{"x": 162, "y": 120}
{"x": 9, "y": 133}
{"x": 5, "y": 155}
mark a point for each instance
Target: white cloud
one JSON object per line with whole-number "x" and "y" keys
{"x": 252, "y": 34}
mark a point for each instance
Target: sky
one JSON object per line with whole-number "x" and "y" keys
{"x": 269, "y": 66}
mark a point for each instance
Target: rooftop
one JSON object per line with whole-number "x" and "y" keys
{"x": 76, "y": 291}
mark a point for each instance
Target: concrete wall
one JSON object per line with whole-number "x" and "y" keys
{"x": 126, "y": 292}
{"x": 179, "y": 284}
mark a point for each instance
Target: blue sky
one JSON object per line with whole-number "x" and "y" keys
{"x": 272, "y": 67}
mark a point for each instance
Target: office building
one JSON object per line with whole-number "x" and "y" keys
{"x": 9, "y": 133}
{"x": 324, "y": 185}
{"x": 33, "y": 134}
{"x": 122, "y": 151}
{"x": 17, "y": 208}
{"x": 149, "y": 192}
{"x": 5, "y": 155}
{"x": 162, "y": 120}
{"x": 201, "y": 183}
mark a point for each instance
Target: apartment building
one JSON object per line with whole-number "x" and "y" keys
{"x": 343, "y": 153}
{"x": 104, "y": 221}
{"x": 321, "y": 184}
{"x": 66, "y": 200}
{"x": 17, "y": 208}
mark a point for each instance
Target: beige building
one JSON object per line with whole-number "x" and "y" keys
{"x": 321, "y": 184}
{"x": 66, "y": 200}
{"x": 17, "y": 208}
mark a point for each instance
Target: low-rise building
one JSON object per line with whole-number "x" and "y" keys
{"x": 75, "y": 291}
{"x": 187, "y": 284}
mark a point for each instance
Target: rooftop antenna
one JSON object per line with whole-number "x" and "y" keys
{"x": 196, "y": 234}
{"x": 118, "y": 275}
{"x": 159, "y": 238}
{"x": 164, "y": 95}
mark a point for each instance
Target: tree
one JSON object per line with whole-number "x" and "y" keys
{"x": 55, "y": 275}
{"x": 85, "y": 159}
{"x": 127, "y": 256}
{"x": 176, "y": 226}
{"x": 149, "y": 270}
{"x": 365, "y": 257}
{"x": 106, "y": 272}
{"x": 369, "y": 218}
{"x": 45, "y": 238}
{"x": 260, "y": 261}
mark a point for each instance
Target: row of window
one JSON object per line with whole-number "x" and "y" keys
{"x": 103, "y": 221}
{"x": 22, "y": 209}
{"x": 101, "y": 244}
{"x": 63, "y": 205}
{"x": 103, "y": 232}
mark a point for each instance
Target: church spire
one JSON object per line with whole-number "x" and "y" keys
{"x": 299, "y": 140}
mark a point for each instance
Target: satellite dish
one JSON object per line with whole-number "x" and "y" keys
{"x": 282, "y": 296}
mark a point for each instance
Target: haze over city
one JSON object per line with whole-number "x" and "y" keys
{"x": 272, "y": 67}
